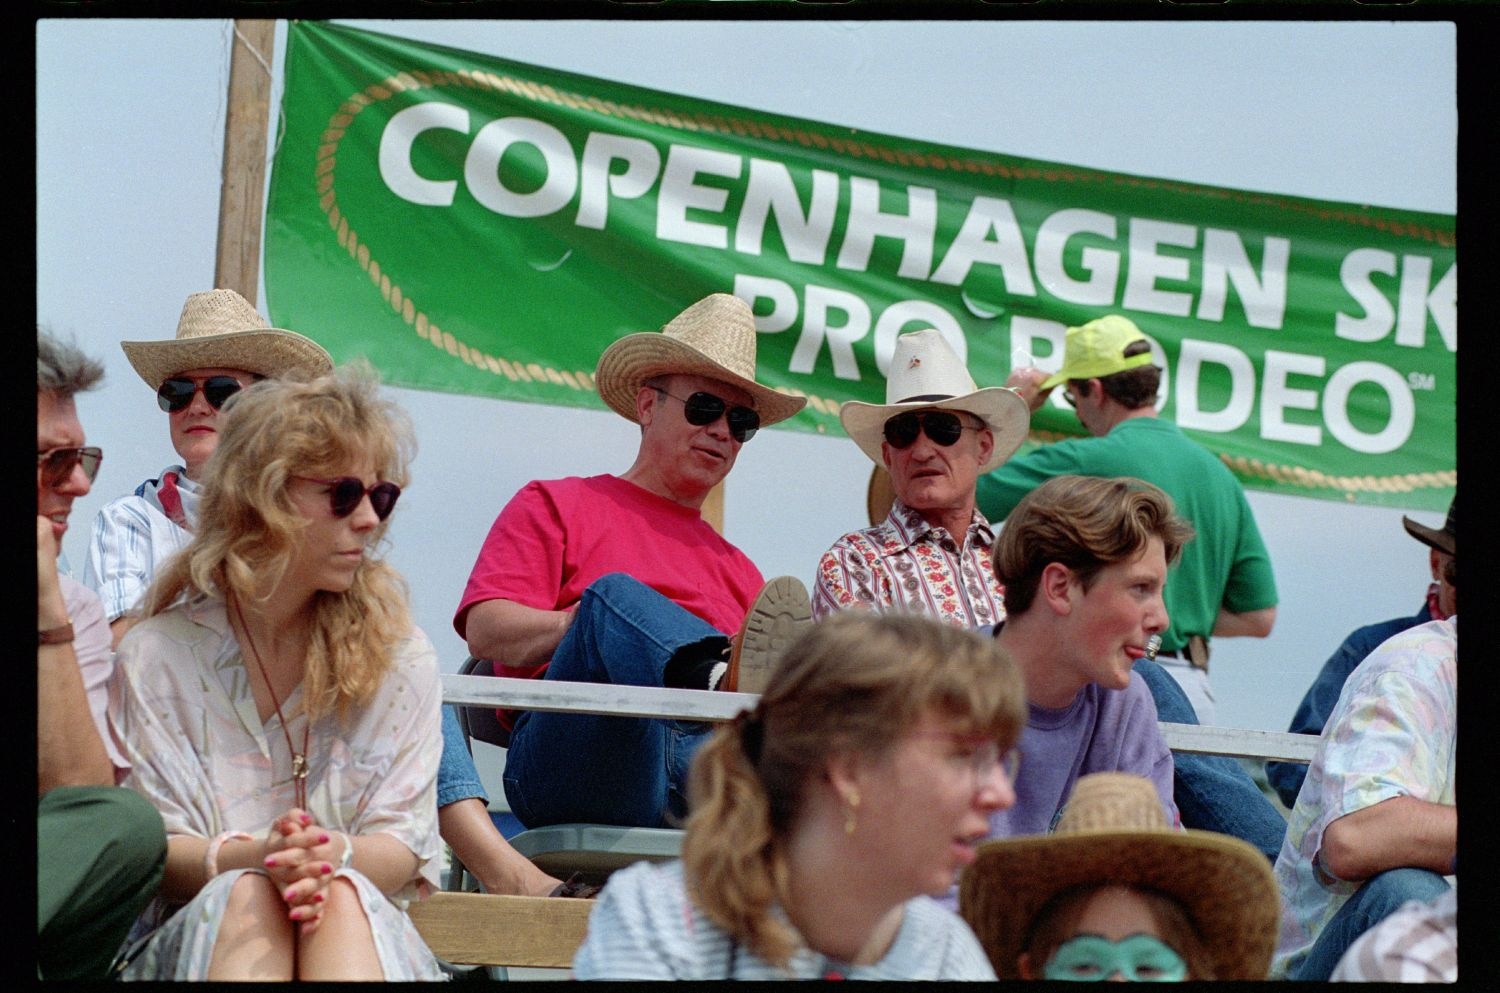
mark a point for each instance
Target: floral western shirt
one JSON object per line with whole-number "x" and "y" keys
{"x": 906, "y": 563}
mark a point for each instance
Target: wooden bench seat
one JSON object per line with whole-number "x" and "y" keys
{"x": 473, "y": 929}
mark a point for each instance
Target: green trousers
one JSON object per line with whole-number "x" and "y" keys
{"x": 100, "y": 855}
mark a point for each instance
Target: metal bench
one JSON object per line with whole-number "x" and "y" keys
{"x": 713, "y": 705}
{"x": 470, "y": 929}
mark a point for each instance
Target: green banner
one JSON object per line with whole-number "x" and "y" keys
{"x": 481, "y": 226}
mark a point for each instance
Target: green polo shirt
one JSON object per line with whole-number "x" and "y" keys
{"x": 1224, "y": 565}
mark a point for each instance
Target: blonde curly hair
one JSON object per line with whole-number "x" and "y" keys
{"x": 247, "y": 529}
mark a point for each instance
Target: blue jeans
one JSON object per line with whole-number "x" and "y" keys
{"x": 563, "y": 768}
{"x": 1372, "y": 903}
{"x": 1212, "y": 792}
{"x": 457, "y": 778}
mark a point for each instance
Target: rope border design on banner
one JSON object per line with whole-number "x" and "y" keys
{"x": 403, "y": 305}
{"x": 582, "y": 380}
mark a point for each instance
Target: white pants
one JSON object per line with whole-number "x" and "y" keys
{"x": 1194, "y": 683}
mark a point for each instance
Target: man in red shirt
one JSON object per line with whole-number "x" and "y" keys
{"x": 618, "y": 579}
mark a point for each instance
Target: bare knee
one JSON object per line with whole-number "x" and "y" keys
{"x": 342, "y": 946}
{"x": 254, "y": 896}
{"x": 343, "y": 900}
{"x": 254, "y": 940}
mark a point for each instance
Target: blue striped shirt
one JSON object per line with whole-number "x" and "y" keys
{"x": 645, "y": 927}
{"x": 131, "y": 539}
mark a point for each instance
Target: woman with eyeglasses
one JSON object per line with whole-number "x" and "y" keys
{"x": 824, "y": 819}
{"x": 222, "y": 346}
{"x": 280, "y": 709}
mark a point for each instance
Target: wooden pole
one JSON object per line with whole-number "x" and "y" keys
{"x": 241, "y": 203}
{"x": 241, "y": 195}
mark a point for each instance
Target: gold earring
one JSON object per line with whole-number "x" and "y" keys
{"x": 853, "y": 800}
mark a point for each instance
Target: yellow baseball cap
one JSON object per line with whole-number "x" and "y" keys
{"x": 1098, "y": 349}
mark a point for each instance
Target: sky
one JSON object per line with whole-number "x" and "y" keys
{"x": 129, "y": 141}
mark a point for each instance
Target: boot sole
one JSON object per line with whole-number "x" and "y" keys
{"x": 779, "y": 614}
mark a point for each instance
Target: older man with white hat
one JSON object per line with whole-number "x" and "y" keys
{"x": 618, "y": 579}
{"x": 936, "y": 433}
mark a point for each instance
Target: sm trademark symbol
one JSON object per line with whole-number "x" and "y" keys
{"x": 1421, "y": 380}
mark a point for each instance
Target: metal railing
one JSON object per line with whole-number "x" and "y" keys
{"x": 559, "y": 696}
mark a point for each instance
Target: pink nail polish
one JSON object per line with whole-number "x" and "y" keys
{"x": 322, "y": 839}
{"x": 306, "y": 820}
{"x": 327, "y": 868}
{"x": 318, "y": 898}
{"x": 296, "y": 914}
{"x": 270, "y": 863}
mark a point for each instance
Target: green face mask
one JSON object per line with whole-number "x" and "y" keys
{"x": 1139, "y": 958}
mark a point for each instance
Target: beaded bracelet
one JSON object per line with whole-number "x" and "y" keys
{"x": 211, "y": 856}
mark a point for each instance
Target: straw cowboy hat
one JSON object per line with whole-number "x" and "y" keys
{"x": 221, "y": 329}
{"x": 1113, "y": 831}
{"x": 715, "y": 337}
{"x": 925, "y": 374}
{"x": 1445, "y": 540}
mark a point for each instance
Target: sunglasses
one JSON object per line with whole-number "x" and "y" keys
{"x": 705, "y": 408}
{"x": 939, "y": 425}
{"x": 57, "y": 465}
{"x": 175, "y": 394}
{"x": 345, "y": 493}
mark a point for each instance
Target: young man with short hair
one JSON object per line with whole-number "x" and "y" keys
{"x": 1084, "y": 561}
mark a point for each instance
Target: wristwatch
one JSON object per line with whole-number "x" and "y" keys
{"x": 56, "y": 636}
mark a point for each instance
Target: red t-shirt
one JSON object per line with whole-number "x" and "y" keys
{"x": 557, "y": 536}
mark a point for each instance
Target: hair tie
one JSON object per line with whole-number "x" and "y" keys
{"x": 752, "y": 730}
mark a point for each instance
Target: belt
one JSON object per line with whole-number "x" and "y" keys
{"x": 1196, "y": 652}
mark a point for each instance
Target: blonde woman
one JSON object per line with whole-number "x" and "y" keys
{"x": 823, "y": 820}
{"x": 280, "y": 710}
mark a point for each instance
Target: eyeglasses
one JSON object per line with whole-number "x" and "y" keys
{"x": 942, "y": 427}
{"x": 705, "y": 408}
{"x": 177, "y": 393}
{"x": 985, "y": 756}
{"x": 1068, "y": 396}
{"x": 56, "y": 466}
{"x": 346, "y": 492}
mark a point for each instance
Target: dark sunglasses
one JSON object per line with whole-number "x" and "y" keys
{"x": 705, "y": 408}
{"x": 345, "y": 493}
{"x": 57, "y": 465}
{"x": 939, "y": 425}
{"x": 175, "y": 394}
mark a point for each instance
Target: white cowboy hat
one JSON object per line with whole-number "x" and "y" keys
{"x": 221, "y": 329}
{"x": 927, "y": 374}
{"x": 715, "y": 337}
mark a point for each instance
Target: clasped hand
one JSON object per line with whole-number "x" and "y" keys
{"x": 301, "y": 858}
